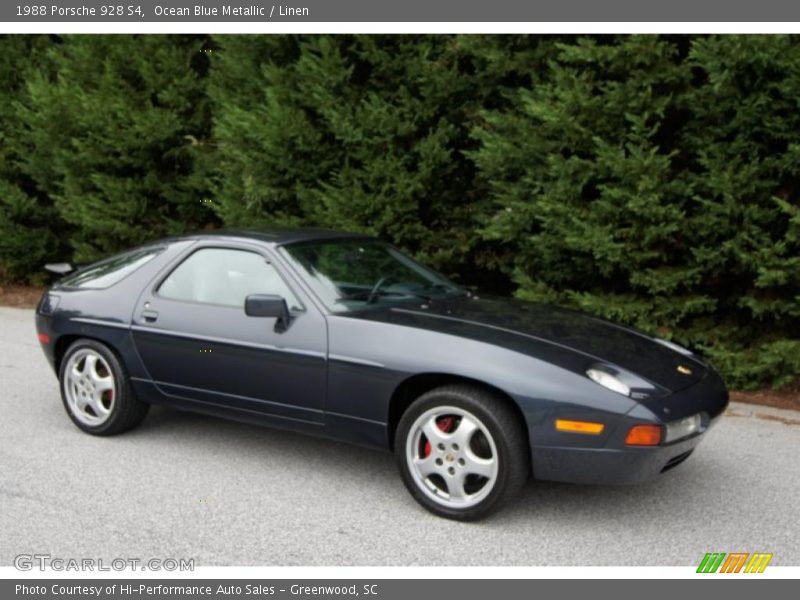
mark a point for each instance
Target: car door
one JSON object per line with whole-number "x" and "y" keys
{"x": 197, "y": 343}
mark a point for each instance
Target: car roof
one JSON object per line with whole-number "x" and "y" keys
{"x": 272, "y": 236}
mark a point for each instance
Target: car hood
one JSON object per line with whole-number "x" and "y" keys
{"x": 517, "y": 324}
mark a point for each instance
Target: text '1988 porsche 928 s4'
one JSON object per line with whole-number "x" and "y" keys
{"x": 344, "y": 336}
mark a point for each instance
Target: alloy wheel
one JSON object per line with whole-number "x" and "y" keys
{"x": 452, "y": 457}
{"x": 89, "y": 387}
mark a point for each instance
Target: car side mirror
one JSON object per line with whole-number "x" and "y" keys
{"x": 269, "y": 305}
{"x": 63, "y": 268}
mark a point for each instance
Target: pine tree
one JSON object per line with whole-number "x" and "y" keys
{"x": 653, "y": 181}
{"x": 363, "y": 133}
{"x": 744, "y": 139}
{"x": 29, "y": 224}
{"x": 584, "y": 185}
{"x": 112, "y": 138}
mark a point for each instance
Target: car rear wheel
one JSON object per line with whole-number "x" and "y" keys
{"x": 96, "y": 390}
{"x": 462, "y": 452}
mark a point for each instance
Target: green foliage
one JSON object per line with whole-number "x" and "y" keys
{"x": 361, "y": 133}
{"x": 653, "y": 180}
{"x": 27, "y": 217}
{"x": 581, "y": 184}
{"x": 745, "y": 144}
{"x": 110, "y": 138}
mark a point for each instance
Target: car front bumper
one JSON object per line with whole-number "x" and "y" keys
{"x": 617, "y": 463}
{"x": 610, "y": 465}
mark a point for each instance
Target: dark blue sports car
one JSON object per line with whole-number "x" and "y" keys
{"x": 343, "y": 335}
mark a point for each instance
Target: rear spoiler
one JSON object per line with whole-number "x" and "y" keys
{"x": 62, "y": 268}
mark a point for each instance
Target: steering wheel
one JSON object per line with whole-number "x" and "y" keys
{"x": 376, "y": 288}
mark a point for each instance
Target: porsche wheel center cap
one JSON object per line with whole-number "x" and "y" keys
{"x": 449, "y": 457}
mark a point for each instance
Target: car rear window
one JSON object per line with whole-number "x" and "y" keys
{"x": 112, "y": 270}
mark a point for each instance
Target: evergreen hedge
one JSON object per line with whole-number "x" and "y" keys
{"x": 653, "y": 180}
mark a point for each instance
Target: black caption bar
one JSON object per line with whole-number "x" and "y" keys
{"x": 384, "y": 589}
{"x": 402, "y": 11}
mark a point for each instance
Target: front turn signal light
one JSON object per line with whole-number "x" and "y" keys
{"x": 579, "y": 426}
{"x": 644, "y": 435}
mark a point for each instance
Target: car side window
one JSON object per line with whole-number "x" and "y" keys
{"x": 106, "y": 273}
{"x": 226, "y": 277}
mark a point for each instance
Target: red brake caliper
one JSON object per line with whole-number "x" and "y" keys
{"x": 445, "y": 424}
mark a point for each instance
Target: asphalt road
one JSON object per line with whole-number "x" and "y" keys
{"x": 226, "y": 493}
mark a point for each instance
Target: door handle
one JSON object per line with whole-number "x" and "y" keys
{"x": 150, "y": 316}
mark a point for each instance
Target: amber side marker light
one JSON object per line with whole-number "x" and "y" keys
{"x": 644, "y": 435}
{"x": 44, "y": 338}
{"x": 579, "y": 426}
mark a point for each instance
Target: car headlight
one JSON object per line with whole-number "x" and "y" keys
{"x": 608, "y": 380}
{"x": 675, "y": 347}
{"x": 682, "y": 428}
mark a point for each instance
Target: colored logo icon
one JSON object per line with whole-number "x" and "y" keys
{"x": 735, "y": 562}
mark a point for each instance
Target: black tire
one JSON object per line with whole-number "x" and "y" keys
{"x": 503, "y": 424}
{"x": 126, "y": 412}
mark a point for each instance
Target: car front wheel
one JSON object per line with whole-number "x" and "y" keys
{"x": 96, "y": 391}
{"x": 462, "y": 452}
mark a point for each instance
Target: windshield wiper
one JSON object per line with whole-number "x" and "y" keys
{"x": 370, "y": 295}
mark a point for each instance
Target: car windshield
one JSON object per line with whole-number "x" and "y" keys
{"x": 353, "y": 274}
